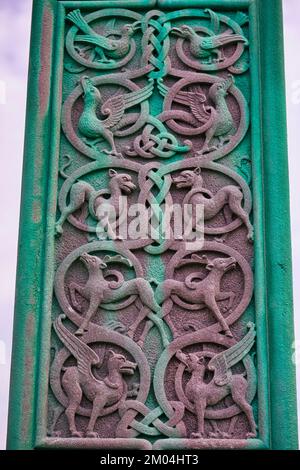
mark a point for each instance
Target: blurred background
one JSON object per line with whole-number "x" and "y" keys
{"x": 15, "y": 18}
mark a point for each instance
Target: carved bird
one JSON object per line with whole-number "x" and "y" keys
{"x": 94, "y": 129}
{"x": 206, "y": 47}
{"x": 107, "y": 48}
{"x": 217, "y": 119}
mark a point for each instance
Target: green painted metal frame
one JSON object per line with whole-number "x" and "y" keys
{"x": 273, "y": 287}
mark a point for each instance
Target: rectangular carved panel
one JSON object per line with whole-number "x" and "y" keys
{"x": 154, "y": 320}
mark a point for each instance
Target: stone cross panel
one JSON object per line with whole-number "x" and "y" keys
{"x": 153, "y": 324}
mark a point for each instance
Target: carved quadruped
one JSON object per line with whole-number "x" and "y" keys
{"x": 154, "y": 336}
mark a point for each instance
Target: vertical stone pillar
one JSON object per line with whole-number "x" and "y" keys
{"x": 153, "y": 299}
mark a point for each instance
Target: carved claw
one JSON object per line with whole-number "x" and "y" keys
{"x": 76, "y": 434}
{"x": 77, "y": 306}
{"x": 113, "y": 153}
{"x": 58, "y": 229}
{"x": 197, "y": 435}
{"x": 92, "y": 434}
{"x": 225, "y": 435}
{"x": 55, "y": 434}
{"x": 228, "y": 333}
{"x": 206, "y": 150}
{"x": 250, "y": 435}
{"x": 250, "y": 236}
{"x": 80, "y": 331}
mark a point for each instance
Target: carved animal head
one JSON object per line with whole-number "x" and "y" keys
{"x": 128, "y": 30}
{"x": 219, "y": 264}
{"x": 123, "y": 180}
{"x": 119, "y": 363}
{"x": 192, "y": 361}
{"x": 220, "y": 89}
{"x": 90, "y": 91}
{"x": 92, "y": 261}
{"x": 184, "y": 31}
{"x": 188, "y": 178}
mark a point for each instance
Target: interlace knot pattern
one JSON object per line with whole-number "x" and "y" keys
{"x": 153, "y": 330}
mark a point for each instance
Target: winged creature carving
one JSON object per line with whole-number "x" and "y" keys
{"x": 108, "y": 48}
{"x": 223, "y": 383}
{"x": 79, "y": 380}
{"x": 216, "y": 120}
{"x": 206, "y": 47}
{"x": 96, "y": 130}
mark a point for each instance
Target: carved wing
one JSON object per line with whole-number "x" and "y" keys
{"x": 84, "y": 355}
{"x": 97, "y": 40}
{"x": 110, "y": 28}
{"x": 221, "y": 363}
{"x": 116, "y": 106}
{"x": 212, "y": 42}
{"x": 195, "y": 101}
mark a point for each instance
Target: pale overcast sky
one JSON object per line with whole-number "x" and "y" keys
{"x": 14, "y": 50}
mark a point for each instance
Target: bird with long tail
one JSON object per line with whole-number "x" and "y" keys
{"x": 107, "y": 48}
{"x": 205, "y": 47}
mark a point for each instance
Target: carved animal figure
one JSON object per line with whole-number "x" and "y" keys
{"x": 205, "y": 292}
{"x": 79, "y": 380}
{"x": 109, "y": 49}
{"x": 223, "y": 383}
{"x": 96, "y": 130}
{"x": 230, "y": 196}
{"x": 216, "y": 120}
{"x": 82, "y": 192}
{"x": 98, "y": 290}
{"x": 208, "y": 46}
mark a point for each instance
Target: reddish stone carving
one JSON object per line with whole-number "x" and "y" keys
{"x": 153, "y": 340}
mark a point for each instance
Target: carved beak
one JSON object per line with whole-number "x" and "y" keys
{"x": 183, "y": 358}
{"x": 177, "y": 32}
{"x": 85, "y": 84}
{"x": 135, "y": 26}
{"x": 228, "y": 83}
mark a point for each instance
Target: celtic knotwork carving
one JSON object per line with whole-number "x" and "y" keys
{"x": 151, "y": 424}
{"x": 156, "y": 43}
{"x": 154, "y": 343}
{"x": 156, "y": 142}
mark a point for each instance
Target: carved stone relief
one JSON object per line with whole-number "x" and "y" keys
{"x": 154, "y": 338}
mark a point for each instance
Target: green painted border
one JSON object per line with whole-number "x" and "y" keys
{"x": 30, "y": 360}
